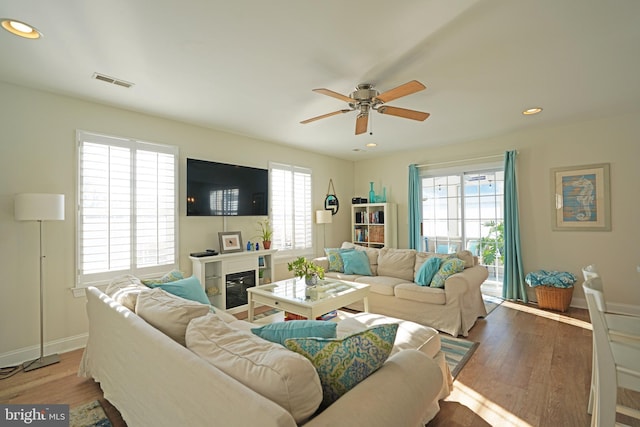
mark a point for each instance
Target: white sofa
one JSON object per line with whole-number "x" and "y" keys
{"x": 453, "y": 309}
{"x": 153, "y": 380}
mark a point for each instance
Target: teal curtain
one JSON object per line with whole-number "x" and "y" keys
{"x": 513, "y": 284}
{"x": 415, "y": 208}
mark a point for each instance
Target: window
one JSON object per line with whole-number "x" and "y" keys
{"x": 291, "y": 214}
{"x": 127, "y": 208}
{"x": 464, "y": 211}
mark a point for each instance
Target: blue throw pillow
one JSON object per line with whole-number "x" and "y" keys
{"x": 427, "y": 270}
{"x": 188, "y": 288}
{"x": 343, "y": 362}
{"x": 280, "y": 331}
{"x": 356, "y": 262}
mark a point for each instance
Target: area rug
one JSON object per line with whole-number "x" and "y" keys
{"x": 491, "y": 303}
{"x": 457, "y": 352}
{"x": 88, "y": 415}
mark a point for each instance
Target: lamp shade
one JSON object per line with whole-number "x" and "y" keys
{"x": 39, "y": 207}
{"x": 323, "y": 217}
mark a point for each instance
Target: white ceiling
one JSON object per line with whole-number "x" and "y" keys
{"x": 248, "y": 66}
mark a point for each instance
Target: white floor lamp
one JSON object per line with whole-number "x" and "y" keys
{"x": 323, "y": 217}
{"x": 40, "y": 207}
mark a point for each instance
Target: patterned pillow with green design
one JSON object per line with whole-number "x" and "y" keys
{"x": 449, "y": 267}
{"x": 343, "y": 362}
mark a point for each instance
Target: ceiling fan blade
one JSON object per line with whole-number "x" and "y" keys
{"x": 403, "y": 112}
{"x": 333, "y": 94}
{"x": 403, "y": 90}
{"x": 313, "y": 119}
{"x": 362, "y": 122}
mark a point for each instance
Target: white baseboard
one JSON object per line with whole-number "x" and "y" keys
{"x": 63, "y": 345}
{"x": 619, "y": 308}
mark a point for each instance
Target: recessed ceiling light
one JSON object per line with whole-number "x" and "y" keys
{"x": 21, "y": 29}
{"x": 371, "y": 144}
{"x": 532, "y": 111}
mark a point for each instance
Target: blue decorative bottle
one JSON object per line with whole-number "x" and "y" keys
{"x": 372, "y": 194}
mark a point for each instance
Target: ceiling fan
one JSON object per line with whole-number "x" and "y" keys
{"x": 365, "y": 98}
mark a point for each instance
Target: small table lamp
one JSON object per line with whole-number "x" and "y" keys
{"x": 40, "y": 207}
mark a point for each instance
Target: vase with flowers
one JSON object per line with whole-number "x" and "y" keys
{"x": 311, "y": 272}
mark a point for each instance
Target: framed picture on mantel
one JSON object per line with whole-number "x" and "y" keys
{"x": 230, "y": 241}
{"x": 581, "y": 198}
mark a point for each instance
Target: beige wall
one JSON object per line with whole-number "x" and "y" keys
{"x": 609, "y": 140}
{"x": 38, "y": 154}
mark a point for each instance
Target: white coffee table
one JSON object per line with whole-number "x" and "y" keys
{"x": 292, "y": 295}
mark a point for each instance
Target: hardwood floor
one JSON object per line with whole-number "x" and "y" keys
{"x": 57, "y": 384}
{"x": 532, "y": 368}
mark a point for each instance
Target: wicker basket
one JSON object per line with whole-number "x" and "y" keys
{"x": 554, "y": 298}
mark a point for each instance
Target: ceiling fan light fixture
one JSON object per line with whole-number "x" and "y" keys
{"x": 366, "y": 98}
{"x": 20, "y": 29}
{"x": 532, "y": 111}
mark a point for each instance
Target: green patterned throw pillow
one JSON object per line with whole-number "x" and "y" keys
{"x": 335, "y": 258}
{"x": 343, "y": 362}
{"x": 449, "y": 266}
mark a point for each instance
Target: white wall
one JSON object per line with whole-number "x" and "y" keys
{"x": 608, "y": 140}
{"x": 38, "y": 154}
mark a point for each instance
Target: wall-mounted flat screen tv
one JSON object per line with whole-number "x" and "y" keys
{"x": 221, "y": 189}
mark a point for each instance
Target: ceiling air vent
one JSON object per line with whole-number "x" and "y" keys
{"x": 111, "y": 80}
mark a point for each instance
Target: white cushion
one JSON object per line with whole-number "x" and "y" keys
{"x": 410, "y": 335}
{"x": 125, "y": 290}
{"x": 382, "y": 285}
{"x": 397, "y": 263}
{"x": 280, "y": 375}
{"x": 425, "y": 294}
{"x": 168, "y": 313}
{"x": 227, "y": 317}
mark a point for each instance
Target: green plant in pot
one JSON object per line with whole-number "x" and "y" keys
{"x": 492, "y": 246}
{"x": 266, "y": 232}
{"x": 311, "y": 272}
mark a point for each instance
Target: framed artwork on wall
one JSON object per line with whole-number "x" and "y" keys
{"x": 230, "y": 241}
{"x": 581, "y": 198}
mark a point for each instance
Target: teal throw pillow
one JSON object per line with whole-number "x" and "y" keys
{"x": 449, "y": 266}
{"x": 427, "y": 270}
{"x": 280, "y": 331}
{"x": 335, "y": 260}
{"x": 343, "y": 362}
{"x": 356, "y": 262}
{"x": 188, "y": 288}
{"x": 171, "y": 276}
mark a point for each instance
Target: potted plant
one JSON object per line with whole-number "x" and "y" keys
{"x": 302, "y": 267}
{"x": 266, "y": 232}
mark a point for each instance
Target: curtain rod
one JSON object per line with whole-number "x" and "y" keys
{"x": 495, "y": 156}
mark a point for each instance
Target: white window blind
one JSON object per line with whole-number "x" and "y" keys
{"x": 291, "y": 207}
{"x": 127, "y": 208}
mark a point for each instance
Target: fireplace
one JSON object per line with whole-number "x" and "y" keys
{"x": 236, "y": 287}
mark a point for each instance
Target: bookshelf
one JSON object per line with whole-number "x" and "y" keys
{"x": 374, "y": 225}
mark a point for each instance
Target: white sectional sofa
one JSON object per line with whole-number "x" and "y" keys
{"x": 152, "y": 379}
{"x": 453, "y": 309}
